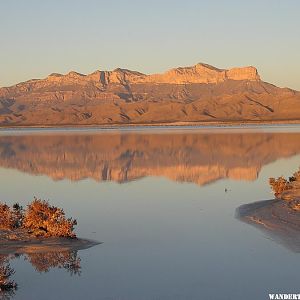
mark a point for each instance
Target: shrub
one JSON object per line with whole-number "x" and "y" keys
{"x": 5, "y": 217}
{"x": 41, "y": 219}
{"x": 11, "y": 218}
{"x": 278, "y": 185}
{"x": 17, "y": 215}
{"x": 295, "y": 177}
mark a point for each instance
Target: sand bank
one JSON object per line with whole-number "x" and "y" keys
{"x": 20, "y": 242}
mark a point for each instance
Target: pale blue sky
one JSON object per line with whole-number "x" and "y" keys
{"x": 41, "y": 37}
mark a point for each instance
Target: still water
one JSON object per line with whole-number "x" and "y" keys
{"x": 163, "y": 203}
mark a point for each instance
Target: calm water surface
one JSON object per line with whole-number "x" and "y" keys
{"x": 163, "y": 204}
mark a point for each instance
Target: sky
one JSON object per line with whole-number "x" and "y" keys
{"x": 43, "y": 37}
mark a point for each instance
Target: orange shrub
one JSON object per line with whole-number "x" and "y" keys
{"x": 295, "y": 177}
{"x": 279, "y": 185}
{"x": 5, "y": 217}
{"x": 11, "y": 218}
{"x": 41, "y": 219}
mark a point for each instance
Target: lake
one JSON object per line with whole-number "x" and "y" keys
{"x": 163, "y": 203}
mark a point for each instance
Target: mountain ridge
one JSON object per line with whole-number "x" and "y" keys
{"x": 199, "y": 73}
{"x": 199, "y": 93}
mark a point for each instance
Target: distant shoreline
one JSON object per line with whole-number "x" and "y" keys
{"x": 169, "y": 125}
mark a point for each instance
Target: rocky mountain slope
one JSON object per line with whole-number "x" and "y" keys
{"x": 190, "y": 94}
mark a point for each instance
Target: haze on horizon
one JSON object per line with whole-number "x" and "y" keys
{"x": 39, "y": 37}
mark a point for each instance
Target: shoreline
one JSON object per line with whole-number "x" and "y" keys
{"x": 19, "y": 242}
{"x": 169, "y": 125}
{"x": 278, "y": 217}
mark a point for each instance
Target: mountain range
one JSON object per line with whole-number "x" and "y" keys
{"x": 200, "y": 93}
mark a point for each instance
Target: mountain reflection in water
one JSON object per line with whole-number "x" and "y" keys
{"x": 188, "y": 156}
{"x": 42, "y": 263}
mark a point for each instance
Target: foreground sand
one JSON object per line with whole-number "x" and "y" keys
{"x": 20, "y": 242}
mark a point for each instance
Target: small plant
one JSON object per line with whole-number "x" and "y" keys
{"x": 295, "y": 177}
{"x": 17, "y": 215}
{"x": 281, "y": 184}
{"x": 11, "y": 218}
{"x": 5, "y": 217}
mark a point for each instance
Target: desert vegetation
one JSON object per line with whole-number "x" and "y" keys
{"x": 10, "y": 218}
{"x": 282, "y": 184}
{"x": 39, "y": 219}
